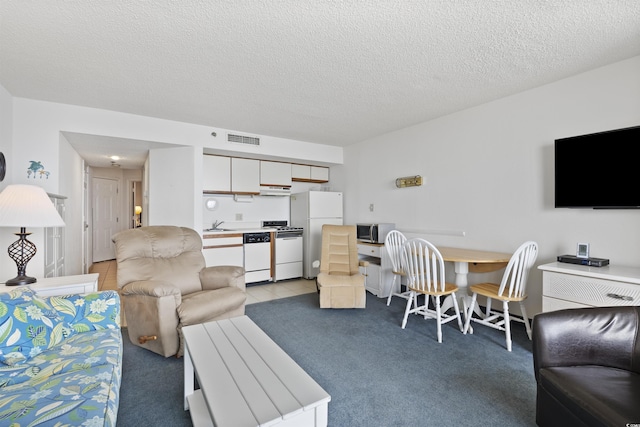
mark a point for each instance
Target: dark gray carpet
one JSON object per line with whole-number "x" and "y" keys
{"x": 376, "y": 373}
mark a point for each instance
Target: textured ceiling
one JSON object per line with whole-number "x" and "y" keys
{"x": 332, "y": 72}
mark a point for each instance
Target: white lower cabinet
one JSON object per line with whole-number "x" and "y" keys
{"x": 223, "y": 249}
{"x": 379, "y": 275}
{"x": 575, "y": 286}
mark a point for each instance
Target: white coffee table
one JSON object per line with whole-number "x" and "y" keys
{"x": 246, "y": 379}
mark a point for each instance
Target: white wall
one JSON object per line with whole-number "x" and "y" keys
{"x": 71, "y": 186}
{"x": 488, "y": 173}
{"x": 8, "y": 268}
{"x": 175, "y": 182}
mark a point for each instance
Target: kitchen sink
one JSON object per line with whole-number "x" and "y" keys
{"x": 217, "y": 229}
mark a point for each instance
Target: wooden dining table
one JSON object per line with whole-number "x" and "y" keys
{"x": 470, "y": 260}
{"x": 473, "y": 260}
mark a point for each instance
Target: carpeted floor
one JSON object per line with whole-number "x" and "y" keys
{"x": 376, "y": 373}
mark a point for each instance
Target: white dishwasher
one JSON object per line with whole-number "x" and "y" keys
{"x": 257, "y": 257}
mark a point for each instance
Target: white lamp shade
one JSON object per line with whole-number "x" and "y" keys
{"x": 27, "y": 206}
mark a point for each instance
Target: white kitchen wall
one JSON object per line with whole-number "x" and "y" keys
{"x": 252, "y": 211}
{"x": 488, "y": 173}
{"x": 255, "y": 210}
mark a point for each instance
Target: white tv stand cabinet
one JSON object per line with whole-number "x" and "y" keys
{"x": 574, "y": 286}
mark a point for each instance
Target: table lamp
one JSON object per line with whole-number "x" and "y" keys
{"x": 137, "y": 211}
{"x": 26, "y": 206}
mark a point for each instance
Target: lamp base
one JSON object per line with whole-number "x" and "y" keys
{"x": 20, "y": 280}
{"x": 21, "y": 251}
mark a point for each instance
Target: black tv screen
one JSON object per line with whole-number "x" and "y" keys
{"x": 599, "y": 170}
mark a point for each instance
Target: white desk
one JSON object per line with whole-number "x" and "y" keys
{"x": 63, "y": 285}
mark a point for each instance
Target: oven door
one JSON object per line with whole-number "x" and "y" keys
{"x": 288, "y": 257}
{"x": 288, "y": 249}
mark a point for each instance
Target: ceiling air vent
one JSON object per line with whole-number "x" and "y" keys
{"x": 241, "y": 139}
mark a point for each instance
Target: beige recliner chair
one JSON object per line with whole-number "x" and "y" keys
{"x": 164, "y": 286}
{"x": 340, "y": 283}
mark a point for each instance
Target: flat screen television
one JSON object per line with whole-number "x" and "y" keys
{"x": 598, "y": 170}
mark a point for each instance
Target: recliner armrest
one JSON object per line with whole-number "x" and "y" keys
{"x": 154, "y": 288}
{"x": 222, "y": 276}
{"x": 604, "y": 336}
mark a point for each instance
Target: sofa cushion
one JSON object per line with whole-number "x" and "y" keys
{"x": 75, "y": 383}
{"x": 30, "y": 324}
{"x": 24, "y": 329}
{"x": 597, "y": 395}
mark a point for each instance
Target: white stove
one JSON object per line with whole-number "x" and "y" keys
{"x": 288, "y": 249}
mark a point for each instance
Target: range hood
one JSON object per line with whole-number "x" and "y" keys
{"x": 274, "y": 190}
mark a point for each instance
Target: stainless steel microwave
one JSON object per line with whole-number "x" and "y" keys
{"x": 374, "y": 233}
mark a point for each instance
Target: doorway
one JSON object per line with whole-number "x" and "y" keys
{"x": 105, "y": 217}
{"x": 136, "y": 204}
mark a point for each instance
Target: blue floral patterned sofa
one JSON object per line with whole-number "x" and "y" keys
{"x": 60, "y": 359}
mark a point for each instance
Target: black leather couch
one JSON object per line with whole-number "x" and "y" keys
{"x": 587, "y": 367}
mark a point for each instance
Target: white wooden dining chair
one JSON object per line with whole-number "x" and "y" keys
{"x": 512, "y": 288}
{"x": 425, "y": 275}
{"x": 393, "y": 244}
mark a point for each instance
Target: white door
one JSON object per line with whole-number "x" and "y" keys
{"x": 105, "y": 218}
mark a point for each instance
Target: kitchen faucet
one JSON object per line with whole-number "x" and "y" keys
{"x": 217, "y": 224}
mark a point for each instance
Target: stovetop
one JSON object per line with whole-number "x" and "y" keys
{"x": 280, "y": 225}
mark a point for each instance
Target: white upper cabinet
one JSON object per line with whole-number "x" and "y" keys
{"x": 275, "y": 173}
{"x": 319, "y": 174}
{"x": 301, "y": 172}
{"x": 235, "y": 175}
{"x": 245, "y": 176}
{"x": 307, "y": 173}
{"x": 216, "y": 174}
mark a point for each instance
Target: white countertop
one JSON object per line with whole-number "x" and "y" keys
{"x": 238, "y": 230}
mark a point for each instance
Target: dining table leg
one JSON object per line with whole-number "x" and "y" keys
{"x": 462, "y": 270}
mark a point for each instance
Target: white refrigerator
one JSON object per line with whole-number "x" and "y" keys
{"x": 311, "y": 210}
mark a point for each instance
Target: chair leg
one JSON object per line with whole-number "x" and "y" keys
{"x": 406, "y": 311}
{"x": 470, "y": 313}
{"x": 526, "y": 320}
{"x": 457, "y": 310}
{"x": 438, "y": 314}
{"x": 392, "y": 290}
{"x": 507, "y": 324}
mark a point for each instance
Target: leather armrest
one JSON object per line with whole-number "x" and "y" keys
{"x": 222, "y": 276}
{"x": 604, "y": 336}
